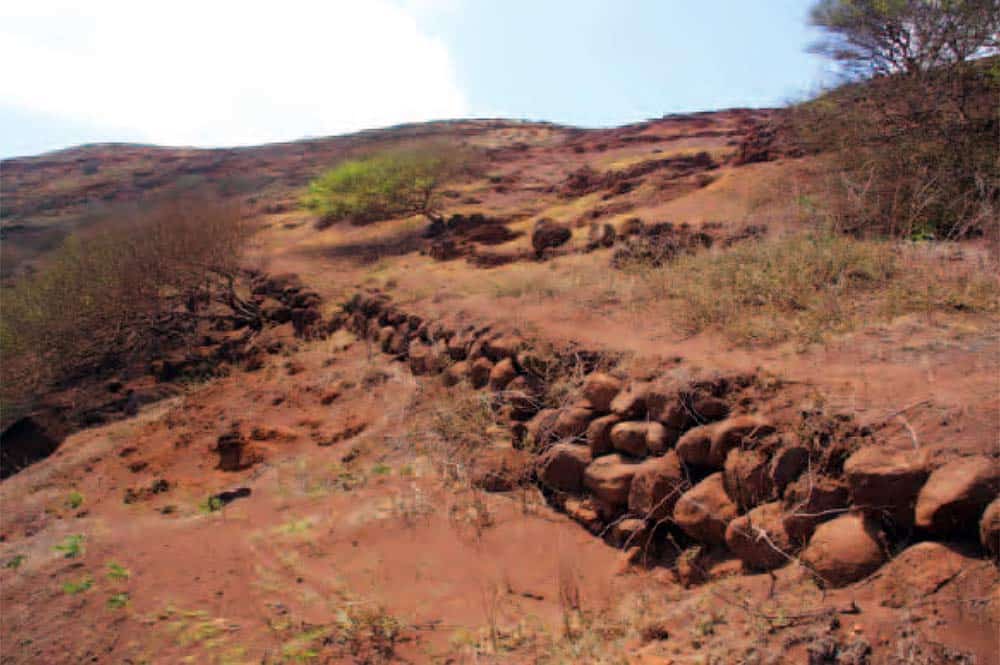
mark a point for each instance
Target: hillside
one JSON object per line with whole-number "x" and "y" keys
{"x": 625, "y": 402}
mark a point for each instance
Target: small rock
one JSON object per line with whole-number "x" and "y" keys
{"x": 810, "y": 501}
{"x": 500, "y": 469}
{"x": 787, "y": 464}
{"x": 630, "y": 403}
{"x": 479, "y": 372}
{"x": 541, "y": 429}
{"x": 548, "y": 234}
{"x": 573, "y": 421}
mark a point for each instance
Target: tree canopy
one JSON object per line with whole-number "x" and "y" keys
{"x": 873, "y": 37}
{"x": 385, "y": 185}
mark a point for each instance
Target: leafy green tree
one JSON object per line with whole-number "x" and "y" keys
{"x": 385, "y": 185}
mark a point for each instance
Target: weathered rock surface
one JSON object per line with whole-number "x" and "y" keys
{"x": 705, "y": 510}
{"x": 600, "y": 389}
{"x": 573, "y": 421}
{"x": 656, "y": 486}
{"x": 501, "y": 374}
{"x": 639, "y": 438}
{"x": 548, "y": 234}
{"x": 845, "y": 550}
{"x": 812, "y": 500}
{"x": 885, "y": 482}
{"x": 759, "y": 538}
{"x": 598, "y": 434}
{"x": 610, "y": 479}
{"x": 747, "y": 479}
{"x": 953, "y": 499}
{"x": 694, "y": 445}
{"x": 561, "y": 467}
{"x": 732, "y": 433}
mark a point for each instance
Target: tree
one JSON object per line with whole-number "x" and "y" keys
{"x": 385, "y": 185}
{"x": 915, "y": 135}
{"x": 881, "y": 37}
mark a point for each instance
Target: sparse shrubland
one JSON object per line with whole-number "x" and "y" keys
{"x": 389, "y": 184}
{"x": 96, "y": 299}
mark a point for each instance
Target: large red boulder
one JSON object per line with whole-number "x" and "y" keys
{"x": 656, "y": 486}
{"x": 573, "y": 421}
{"x": 561, "y": 467}
{"x": 599, "y": 389}
{"x": 885, "y": 482}
{"x": 694, "y": 445}
{"x": 733, "y": 433}
{"x": 705, "y": 510}
{"x": 599, "y": 434}
{"x": 812, "y": 500}
{"x": 610, "y": 479}
{"x": 759, "y": 538}
{"x": 501, "y": 374}
{"x": 639, "y": 438}
{"x": 955, "y": 495}
{"x": 747, "y": 479}
{"x": 845, "y": 550}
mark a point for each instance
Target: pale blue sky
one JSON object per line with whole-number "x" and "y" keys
{"x": 228, "y": 73}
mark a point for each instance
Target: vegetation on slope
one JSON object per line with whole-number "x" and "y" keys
{"x": 389, "y": 184}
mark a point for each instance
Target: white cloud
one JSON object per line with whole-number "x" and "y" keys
{"x": 205, "y": 72}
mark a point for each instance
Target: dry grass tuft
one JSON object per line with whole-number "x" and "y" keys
{"x": 807, "y": 286}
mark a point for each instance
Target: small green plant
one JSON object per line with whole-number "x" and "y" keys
{"x": 81, "y": 585}
{"x": 381, "y": 469}
{"x": 117, "y": 572}
{"x": 118, "y": 601}
{"x": 15, "y": 561}
{"x": 74, "y": 500}
{"x": 210, "y": 505}
{"x": 71, "y": 547}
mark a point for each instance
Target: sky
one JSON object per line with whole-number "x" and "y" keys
{"x": 218, "y": 73}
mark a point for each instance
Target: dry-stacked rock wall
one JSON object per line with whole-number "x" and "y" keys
{"x": 673, "y": 462}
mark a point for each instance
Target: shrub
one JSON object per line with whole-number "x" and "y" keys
{"x": 96, "y": 299}
{"x": 385, "y": 185}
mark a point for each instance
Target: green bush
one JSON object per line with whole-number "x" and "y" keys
{"x": 386, "y": 185}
